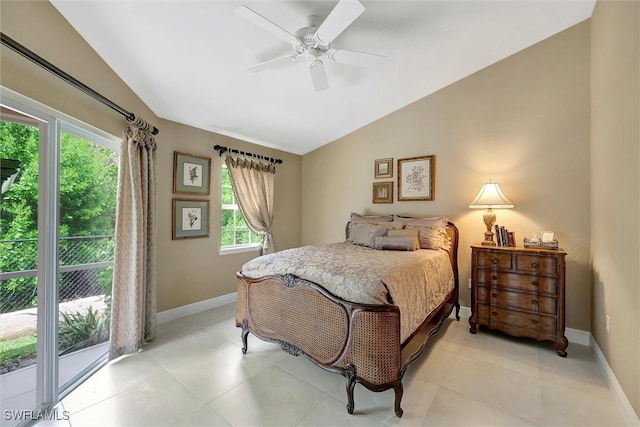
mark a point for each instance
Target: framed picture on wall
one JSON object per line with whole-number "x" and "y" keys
{"x": 383, "y": 192}
{"x": 383, "y": 168}
{"x": 416, "y": 178}
{"x": 190, "y": 219}
{"x": 191, "y": 174}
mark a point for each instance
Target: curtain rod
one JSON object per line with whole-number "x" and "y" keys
{"x": 38, "y": 60}
{"x": 220, "y": 149}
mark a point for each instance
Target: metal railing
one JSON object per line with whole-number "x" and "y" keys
{"x": 85, "y": 270}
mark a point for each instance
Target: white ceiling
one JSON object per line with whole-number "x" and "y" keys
{"x": 187, "y": 60}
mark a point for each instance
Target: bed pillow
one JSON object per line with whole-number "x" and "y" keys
{"x": 389, "y": 225}
{"x": 396, "y": 243}
{"x": 431, "y": 237}
{"x": 355, "y": 217}
{"x": 439, "y": 221}
{"x": 363, "y": 233}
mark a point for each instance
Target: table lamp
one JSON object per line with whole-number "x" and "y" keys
{"x": 490, "y": 197}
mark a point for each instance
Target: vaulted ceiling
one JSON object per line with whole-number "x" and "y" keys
{"x": 188, "y": 60}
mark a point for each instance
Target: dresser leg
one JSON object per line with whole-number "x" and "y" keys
{"x": 473, "y": 327}
{"x": 561, "y": 346}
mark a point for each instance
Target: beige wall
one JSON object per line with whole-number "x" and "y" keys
{"x": 523, "y": 122}
{"x": 615, "y": 183}
{"x": 188, "y": 270}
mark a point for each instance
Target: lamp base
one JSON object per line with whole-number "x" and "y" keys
{"x": 489, "y": 218}
{"x": 488, "y": 239}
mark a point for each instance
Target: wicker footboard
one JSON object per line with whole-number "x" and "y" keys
{"x": 359, "y": 341}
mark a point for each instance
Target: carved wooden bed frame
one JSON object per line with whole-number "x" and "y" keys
{"x": 359, "y": 341}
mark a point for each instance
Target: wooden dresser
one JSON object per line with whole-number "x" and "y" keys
{"x": 519, "y": 291}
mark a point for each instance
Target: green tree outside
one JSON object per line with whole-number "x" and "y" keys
{"x": 88, "y": 191}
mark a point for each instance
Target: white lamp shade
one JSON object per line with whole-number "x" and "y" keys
{"x": 490, "y": 196}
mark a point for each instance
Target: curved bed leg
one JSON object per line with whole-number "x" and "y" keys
{"x": 398, "y": 389}
{"x": 350, "y": 374}
{"x": 245, "y": 332}
{"x": 457, "y": 310}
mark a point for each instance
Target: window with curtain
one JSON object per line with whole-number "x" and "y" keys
{"x": 234, "y": 231}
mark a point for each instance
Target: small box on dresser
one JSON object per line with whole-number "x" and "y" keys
{"x": 519, "y": 291}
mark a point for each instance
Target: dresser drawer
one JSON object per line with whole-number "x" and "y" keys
{"x": 536, "y": 264}
{"x": 494, "y": 316}
{"x": 521, "y": 282}
{"x": 518, "y": 301}
{"x": 502, "y": 261}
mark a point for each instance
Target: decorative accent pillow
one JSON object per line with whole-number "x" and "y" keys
{"x": 396, "y": 243}
{"x": 432, "y": 237}
{"x": 363, "y": 233}
{"x": 404, "y": 233}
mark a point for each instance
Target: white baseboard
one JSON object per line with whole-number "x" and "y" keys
{"x": 196, "y": 307}
{"x": 629, "y": 415}
{"x": 578, "y": 336}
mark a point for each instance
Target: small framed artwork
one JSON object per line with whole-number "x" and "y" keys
{"x": 383, "y": 192}
{"x": 547, "y": 236}
{"x": 190, "y": 219}
{"x": 416, "y": 178}
{"x": 383, "y": 168}
{"x": 191, "y": 174}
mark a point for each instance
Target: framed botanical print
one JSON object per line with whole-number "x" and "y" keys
{"x": 383, "y": 168}
{"x": 383, "y": 192}
{"x": 190, "y": 219}
{"x": 416, "y": 178}
{"x": 191, "y": 174}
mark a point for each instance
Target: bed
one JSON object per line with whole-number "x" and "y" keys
{"x": 365, "y": 308}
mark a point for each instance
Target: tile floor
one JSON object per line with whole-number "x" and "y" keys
{"x": 195, "y": 374}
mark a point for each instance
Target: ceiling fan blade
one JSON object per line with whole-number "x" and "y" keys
{"x": 352, "y": 57}
{"x": 345, "y": 12}
{"x": 287, "y": 59}
{"x": 318, "y": 76}
{"x": 266, "y": 24}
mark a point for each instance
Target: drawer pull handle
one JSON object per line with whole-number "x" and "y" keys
{"x": 535, "y": 264}
{"x": 494, "y": 260}
{"x": 534, "y": 321}
{"x": 494, "y": 295}
{"x": 534, "y": 302}
{"x": 534, "y": 283}
{"x": 494, "y": 313}
{"x": 494, "y": 277}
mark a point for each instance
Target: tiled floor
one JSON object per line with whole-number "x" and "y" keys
{"x": 195, "y": 374}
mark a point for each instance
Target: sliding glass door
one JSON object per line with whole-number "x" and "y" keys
{"x": 56, "y": 251}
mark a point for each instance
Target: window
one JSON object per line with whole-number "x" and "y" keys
{"x": 234, "y": 232}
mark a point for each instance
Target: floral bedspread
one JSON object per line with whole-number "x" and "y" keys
{"x": 415, "y": 281}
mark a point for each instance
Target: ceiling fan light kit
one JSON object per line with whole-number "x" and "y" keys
{"x": 314, "y": 41}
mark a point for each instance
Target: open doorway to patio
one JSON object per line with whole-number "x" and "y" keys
{"x": 57, "y": 220}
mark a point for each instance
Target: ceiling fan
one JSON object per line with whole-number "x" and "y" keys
{"x": 313, "y": 42}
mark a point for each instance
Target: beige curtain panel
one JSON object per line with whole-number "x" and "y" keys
{"x": 133, "y": 301}
{"x": 252, "y": 184}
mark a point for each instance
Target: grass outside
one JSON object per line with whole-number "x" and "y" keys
{"x": 17, "y": 348}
